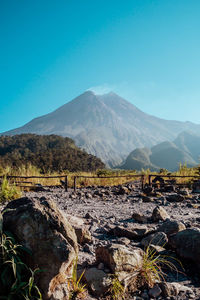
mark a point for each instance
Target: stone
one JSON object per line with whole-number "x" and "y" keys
{"x": 132, "y": 231}
{"x": 170, "y": 227}
{"x": 42, "y": 228}
{"x": 155, "y": 291}
{"x": 170, "y": 289}
{"x": 148, "y": 190}
{"x": 157, "y": 239}
{"x": 169, "y": 188}
{"x": 123, "y": 190}
{"x": 147, "y": 199}
{"x": 175, "y": 198}
{"x": 119, "y": 258}
{"x": 159, "y": 213}
{"x": 184, "y": 192}
{"x": 81, "y": 229}
{"x": 187, "y": 244}
{"x": 97, "y": 280}
{"x": 139, "y": 217}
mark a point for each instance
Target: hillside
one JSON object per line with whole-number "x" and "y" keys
{"x": 106, "y": 126}
{"x": 168, "y": 155}
{"x": 47, "y": 152}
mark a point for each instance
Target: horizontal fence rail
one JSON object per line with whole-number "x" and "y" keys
{"x": 36, "y": 185}
{"x": 141, "y": 176}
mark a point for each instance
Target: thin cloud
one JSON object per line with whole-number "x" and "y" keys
{"x": 102, "y": 89}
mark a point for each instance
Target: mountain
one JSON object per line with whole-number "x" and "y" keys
{"x": 167, "y": 155}
{"x": 106, "y": 126}
{"x": 47, "y": 152}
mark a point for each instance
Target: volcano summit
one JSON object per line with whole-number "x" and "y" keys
{"x": 106, "y": 125}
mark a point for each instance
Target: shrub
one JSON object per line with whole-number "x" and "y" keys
{"x": 117, "y": 289}
{"x": 151, "y": 269}
{"x": 8, "y": 192}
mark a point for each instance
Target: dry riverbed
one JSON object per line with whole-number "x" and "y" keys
{"x": 122, "y": 215}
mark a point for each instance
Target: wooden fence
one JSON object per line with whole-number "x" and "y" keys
{"x": 141, "y": 176}
{"x": 22, "y": 182}
{"x": 19, "y": 183}
{"x": 157, "y": 176}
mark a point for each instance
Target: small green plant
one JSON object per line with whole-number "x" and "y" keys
{"x": 150, "y": 271}
{"x": 77, "y": 289}
{"x": 17, "y": 280}
{"x": 117, "y": 289}
{"x": 8, "y": 192}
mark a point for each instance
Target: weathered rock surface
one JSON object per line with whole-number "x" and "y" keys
{"x": 170, "y": 289}
{"x": 159, "y": 214}
{"x": 170, "y": 227}
{"x": 157, "y": 239}
{"x": 139, "y": 217}
{"x": 175, "y": 198}
{"x": 97, "y": 280}
{"x": 132, "y": 231}
{"x": 187, "y": 244}
{"x": 81, "y": 229}
{"x": 41, "y": 227}
{"x": 119, "y": 258}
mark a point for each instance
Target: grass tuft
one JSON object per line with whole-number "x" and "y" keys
{"x": 8, "y": 192}
{"x": 76, "y": 288}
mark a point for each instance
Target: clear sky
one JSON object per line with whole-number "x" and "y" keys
{"x": 147, "y": 51}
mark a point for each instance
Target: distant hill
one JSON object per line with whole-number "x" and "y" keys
{"x": 47, "y": 152}
{"x": 106, "y": 126}
{"x": 167, "y": 155}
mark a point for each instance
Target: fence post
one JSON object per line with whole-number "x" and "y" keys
{"x": 142, "y": 179}
{"x": 74, "y": 183}
{"x": 66, "y": 183}
{"x": 150, "y": 180}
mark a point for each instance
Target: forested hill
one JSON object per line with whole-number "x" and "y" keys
{"x": 47, "y": 152}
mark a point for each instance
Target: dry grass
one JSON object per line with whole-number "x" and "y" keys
{"x": 31, "y": 170}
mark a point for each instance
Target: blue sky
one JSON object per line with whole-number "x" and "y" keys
{"x": 146, "y": 51}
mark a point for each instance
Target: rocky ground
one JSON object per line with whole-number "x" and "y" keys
{"x": 127, "y": 218}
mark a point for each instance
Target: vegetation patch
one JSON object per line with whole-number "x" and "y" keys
{"x": 47, "y": 152}
{"x": 17, "y": 280}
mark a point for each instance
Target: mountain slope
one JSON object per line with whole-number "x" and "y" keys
{"x": 168, "y": 155}
{"x": 107, "y": 126}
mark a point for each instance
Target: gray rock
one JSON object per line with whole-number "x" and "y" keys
{"x": 42, "y": 228}
{"x": 139, "y": 217}
{"x": 159, "y": 213}
{"x": 170, "y": 227}
{"x": 155, "y": 291}
{"x": 97, "y": 280}
{"x": 119, "y": 258}
{"x": 132, "y": 231}
{"x": 157, "y": 239}
{"x": 175, "y": 198}
{"x": 187, "y": 244}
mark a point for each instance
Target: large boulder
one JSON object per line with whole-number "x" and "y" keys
{"x": 42, "y": 228}
{"x": 187, "y": 244}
